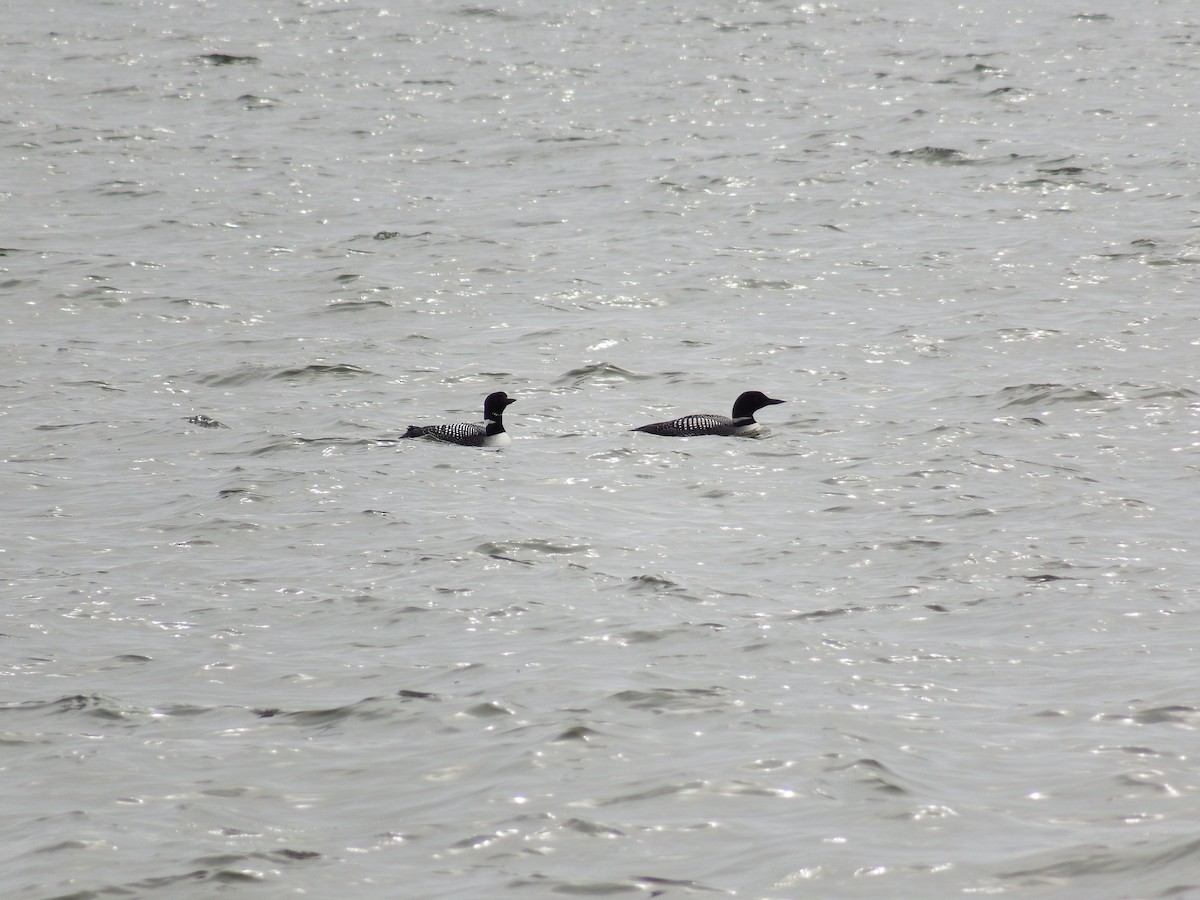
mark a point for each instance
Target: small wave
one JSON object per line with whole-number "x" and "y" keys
{"x": 645, "y": 885}
{"x": 506, "y": 549}
{"x": 1093, "y": 860}
{"x": 252, "y": 101}
{"x": 367, "y": 708}
{"x": 598, "y": 373}
{"x": 935, "y": 155}
{"x": 489, "y": 710}
{"x": 1009, "y": 93}
{"x": 1042, "y": 393}
{"x": 221, "y": 871}
{"x": 674, "y": 699}
{"x": 1158, "y": 715}
{"x": 243, "y": 375}
{"x": 575, "y": 733}
{"x": 280, "y": 444}
{"x": 354, "y": 306}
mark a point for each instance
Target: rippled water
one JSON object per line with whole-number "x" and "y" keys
{"x": 931, "y": 636}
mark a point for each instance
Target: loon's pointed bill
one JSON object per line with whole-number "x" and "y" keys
{"x": 742, "y": 423}
{"x": 489, "y": 433}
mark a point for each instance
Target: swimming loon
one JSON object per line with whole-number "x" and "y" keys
{"x": 742, "y": 422}
{"x": 489, "y": 434}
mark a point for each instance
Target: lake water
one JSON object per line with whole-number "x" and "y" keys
{"x": 933, "y": 635}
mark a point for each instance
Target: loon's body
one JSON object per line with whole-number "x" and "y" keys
{"x": 741, "y": 423}
{"x": 490, "y": 433}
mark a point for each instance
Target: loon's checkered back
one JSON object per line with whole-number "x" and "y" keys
{"x": 687, "y": 426}
{"x": 468, "y": 434}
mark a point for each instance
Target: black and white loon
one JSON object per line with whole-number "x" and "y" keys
{"x": 741, "y": 423}
{"x": 490, "y": 433}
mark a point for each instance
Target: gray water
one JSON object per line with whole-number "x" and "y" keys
{"x": 933, "y": 635}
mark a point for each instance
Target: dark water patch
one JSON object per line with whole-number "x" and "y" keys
{"x": 577, "y": 733}
{"x": 124, "y": 189}
{"x": 60, "y": 428}
{"x": 1173, "y": 393}
{"x": 655, "y": 881}
{"x": 1009, "y": 93}
{"x": 488, "y": 710}
{"x": 674, "y": 699}
{"x": 580, "y": 889}
{"x": 654, "y": 793}
{"x": 499, "y": 554}
{"x": 226, "y": 59}
{"x": 241, "y": 494}
{"x": 642, "y": 636}
{"x": 506, "y": 612}
{"x": 592, "y": 829}
{"x": 416, "y": 695}
{"x": 193, "y": 301}
{"x": 833, "y": 612}
{"x": 934, "y": 155}
{"x": 1064, "y": 171}
{"x": 913, "y": 544}
{"x": 217, "y": 872}
{"x": 1011, "y": 421}
{"x": 873, "y": 774}
{"x": 485, "y": 12}
{"x": 184, "y": 710}
{"x": 766, "y": 284}
{"x": 1175, "y": 261}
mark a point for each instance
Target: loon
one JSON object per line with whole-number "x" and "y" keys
{"x": 742, "y": 423}
{"x": 489, "y": 434}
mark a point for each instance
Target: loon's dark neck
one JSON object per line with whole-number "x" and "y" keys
{"x": 493, "y": 413}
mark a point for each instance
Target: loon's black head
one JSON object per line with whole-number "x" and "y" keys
{"x": 493, "y": 406}
{"x": 746, "y": 405}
